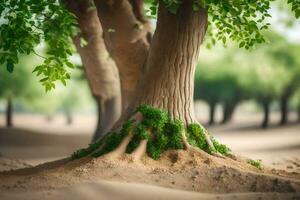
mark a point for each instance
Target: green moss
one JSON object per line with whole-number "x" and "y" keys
{"x": 86, "y": 151}
{"x": 153, "y": 117}
{"x": 196, "y": 137}
{"x": 140, "y": 133}
{"x": 255, "y": 163}
{"x": 221, "y": 148}
{"x": 173, "y": 130}
{"x": 133, "y": 144}
{"x": 153, "y": 150}
{"x": 126, "y": 127}
{"x": 109, "y": 142}
{"x": 112, "y": 140}
{"x": 166, "y": 134}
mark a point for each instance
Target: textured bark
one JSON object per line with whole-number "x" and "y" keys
{"x": 9, "y": 112}
{"x": 266, "y": 110}
{"x": 212, "y": 110}
{"x": 126, "y": 39}
{"x": 169, "y": 71}
{"x": 100, "y": 69}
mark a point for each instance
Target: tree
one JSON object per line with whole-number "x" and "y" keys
{"x": 296, "y": 102}
{"x": 219, "y": 83}
{"x": 71, "y": 97}
{"x": 14, "y": 86}
{"x": 159, "y": 115}
{"x": 207, "y": 88}
{"x": 263, "y": 82}
{"x": 286, "y": 55}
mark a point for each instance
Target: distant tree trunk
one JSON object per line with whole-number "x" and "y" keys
{"x": 266, "y": 110}
{"x": 284, "y": 109}
{"x": 298, "y": 112}
{"x": 212, "y": 110}
{"x": 228, "y": 110}
{"x": 9, "y": 112}
{"x": 126, "y": 35}
{"x": 69, "y": 117}
{"x": 108, "y": 111}
{"x": 100, "y": 70}
{"x": 49, "y": 117}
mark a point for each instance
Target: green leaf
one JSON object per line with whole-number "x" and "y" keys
{"x": 69, "y": 64}
{"x": 83, "y": 42}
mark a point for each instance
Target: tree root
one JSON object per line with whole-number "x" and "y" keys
{"x": 151, "y": 130}
{"x": 185, "y": 141}
{"x": 121, "y": 149}
{"x": 138, "y": 153}
{"x": 209, "y": 142}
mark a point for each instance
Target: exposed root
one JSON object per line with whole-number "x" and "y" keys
{"x": 209, "y": 142}
{"x": 140, "y": 150}
{"x": 152, "y": 131}
{"x": 121, "y": 149}
{"x": 217, "y": 154}
{"x": 185, "y": 141}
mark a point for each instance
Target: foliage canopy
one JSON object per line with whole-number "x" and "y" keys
{"x": 25, "y": 24}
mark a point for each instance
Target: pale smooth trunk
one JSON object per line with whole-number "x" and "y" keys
{"x": 100, "y": 70}
{"x": 125, "y": 37}
{"x": 107, "y": 113}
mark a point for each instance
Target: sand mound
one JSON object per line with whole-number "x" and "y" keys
{"x": 183, "y": 170}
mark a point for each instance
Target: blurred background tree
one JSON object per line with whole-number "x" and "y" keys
{"x": 15, "y": 86}
{"x": 266, "y": 75}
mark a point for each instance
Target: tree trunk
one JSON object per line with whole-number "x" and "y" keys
{"x": 169, "y": 71}
{"x": 266, "y": 109}
{"x": 228, "y": 110}
{"x": 127, "y": 40}
{"x": 69, "y": 117}
{"x": 212, "y": 106}
{"x": 298, "y": 112}
{"x": 108, "y": 112}
{"x": 100, "y": 69}
{"x": 284, "y": 109}
{"x": 9, "y": 112}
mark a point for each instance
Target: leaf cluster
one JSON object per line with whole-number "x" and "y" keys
{"x": 26, "y": 24}
{"x": 241, "y": 21}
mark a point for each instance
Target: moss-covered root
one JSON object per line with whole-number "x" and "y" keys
{"x": 198, "y": 136}
{"x": 121, "y": 148}
{"x": 153, "y": 132}
{"x": 140, "y": 151}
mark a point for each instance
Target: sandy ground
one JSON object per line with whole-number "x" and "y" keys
{"x": 105, "y": 190}
{"x": 34, "y": 141}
